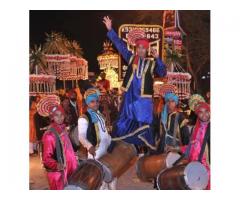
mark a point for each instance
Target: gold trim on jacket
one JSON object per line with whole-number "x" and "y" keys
{"x": 143, "y": 77}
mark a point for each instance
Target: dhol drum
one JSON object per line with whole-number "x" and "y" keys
{"x": 88, "y": 176}
{"x": 73, "y": 135}
{"x": 115, "y": 163}
{"x": 191, "y": 176}
{"x": 77, "y": 146}
{"x": 149, "y": 166}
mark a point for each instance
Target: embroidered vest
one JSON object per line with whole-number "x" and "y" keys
{"x": 147, "y": 77}
{"x": 92, "y": 130}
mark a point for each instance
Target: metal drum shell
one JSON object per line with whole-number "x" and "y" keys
{"x": 116, "y": 162}
{"x": 149, "y": 166}
{"x": 88, "y": 176}
{"x": 187, "y": 176}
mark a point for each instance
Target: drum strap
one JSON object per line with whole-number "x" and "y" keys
{"x": 175, "y": 129}
{"x": 205, "y": 139}
{"x": 60, "y": 152}
{"x": 172, "y": 136}
{"x": 59, "y": 147}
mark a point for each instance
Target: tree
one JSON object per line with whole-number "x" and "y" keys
{"x": 37, "y": 61}
{"x": 197, "y": 43}
{"x": 74, "y": 48}
{"x": 55, "y": 44}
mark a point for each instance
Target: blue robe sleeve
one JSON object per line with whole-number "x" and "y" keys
{"x": 120, "y": 45}
{"x": 160, "y": 68}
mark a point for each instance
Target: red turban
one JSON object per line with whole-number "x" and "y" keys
{"x": 202, "y": 105}
{"x": 55, "y": 108}
{"x": 71, "y": 92}
{"x": 143, "y": 41}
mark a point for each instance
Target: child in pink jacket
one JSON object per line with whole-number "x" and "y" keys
{"x": 58, "y": 155}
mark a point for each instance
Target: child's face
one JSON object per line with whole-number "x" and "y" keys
{"x": 204, "y": 115}
{"x": 94, "y": 104}
{"x": 58, "y": 117}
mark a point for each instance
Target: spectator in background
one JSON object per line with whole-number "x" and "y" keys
{"x": 70, "y": 107}
{"x": 32, "y": 126}
{"x": 103, "y": 84}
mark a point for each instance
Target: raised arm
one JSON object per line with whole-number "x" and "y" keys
{"x": 160, "y": 67}
{"x": 119, "y": 44}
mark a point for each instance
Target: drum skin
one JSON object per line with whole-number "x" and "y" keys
{"x": 149, "y": 166}
{"x": 183, "y": 177}
{"x": 88, "y": 176}
{"x": 118, "y": 160}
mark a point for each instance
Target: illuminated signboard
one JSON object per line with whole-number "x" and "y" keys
{"x": 154, "y": 33}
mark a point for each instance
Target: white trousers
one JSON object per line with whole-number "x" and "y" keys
{"x": 100, "y": 151}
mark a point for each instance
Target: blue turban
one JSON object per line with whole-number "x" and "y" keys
{"x": 167, "y": 97}
{"x": 91, "y": 94}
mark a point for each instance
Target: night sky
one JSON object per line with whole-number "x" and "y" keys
{"x": 87, "y": 28}
{"x": 84, "y": 26}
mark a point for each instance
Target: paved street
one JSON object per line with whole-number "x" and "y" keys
{"x": 128, "y": 181}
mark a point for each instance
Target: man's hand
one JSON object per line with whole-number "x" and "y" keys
{"x": 172, "y": 149}
{"x": 154, "y": 53}
{"x": 92, "y": 151}
{"x": 108, "y": 22}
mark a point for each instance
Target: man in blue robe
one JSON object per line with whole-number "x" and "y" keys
{"x": 136, "y": 114}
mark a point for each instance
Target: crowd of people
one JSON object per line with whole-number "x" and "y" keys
{"x": 99, "y": 121}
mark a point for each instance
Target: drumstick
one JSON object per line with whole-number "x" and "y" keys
{"x": 44, "y": 128}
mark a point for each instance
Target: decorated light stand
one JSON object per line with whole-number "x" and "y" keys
{"x": 109, "y": 63}
{"x": 173, "y": 53}
{"x": 67, "y": 67}
{"x": 42, "y": 84}
{"x": 41, "y": 80}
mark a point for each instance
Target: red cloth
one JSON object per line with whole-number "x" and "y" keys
{"x": 58, "y": 179}
{"x": 72, "y": 91}
{"x": 202, "y": 105}
{"x": 105, "y": 84}
{"x": 196, "y": 143}
{"x": 143, "y": 41}
{"x": 55, "y": 108}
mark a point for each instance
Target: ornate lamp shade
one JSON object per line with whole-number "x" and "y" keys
{"x": 76, "y": 70}
{"x": 42, "y": 84}
{"x": 182, "y": 81}
{"x": 108, "y": 59}
{"x": 67, "y": 67}
{"x": 59, "y": 64}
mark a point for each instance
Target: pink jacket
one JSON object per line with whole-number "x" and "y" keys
{"x": 196, "y": 143}
{"x": 58, "y": 179}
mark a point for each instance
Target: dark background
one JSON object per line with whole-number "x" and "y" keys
{"x": 87, "y": 28}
